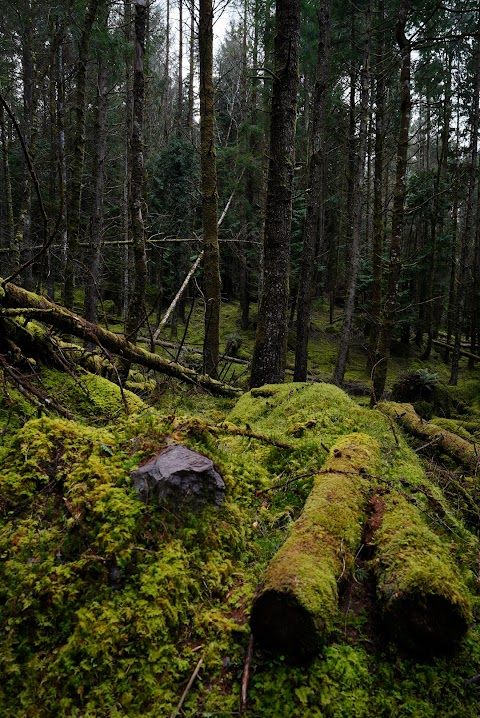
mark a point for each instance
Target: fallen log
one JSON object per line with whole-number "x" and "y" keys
{"x": 445, "y": 441}
{"x": 190, "y": 350}
{"x": 295, "y": 609}
{"x": 14, "y": 297}
{"x": 426, "y": 605}
{"x": 450, "y": 348}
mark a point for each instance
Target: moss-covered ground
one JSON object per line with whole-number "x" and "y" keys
{"x": 107, "y": 605}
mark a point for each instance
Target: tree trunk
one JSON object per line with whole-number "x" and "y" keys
{"x": 92, "y": 283}
{"x": 468, "y": 232}
{"x": 356, "y": 216}
{"x": 211, "y": 262}
{"x": 13, "y": 261}
{"x": 387, "y": 326}
{"x": 312, "y": 233}
{"x": 378, "y": 181}
{"x": 136, "y": 305}
{"x": 269, "y": 352}
{"x": 75, "y": 188}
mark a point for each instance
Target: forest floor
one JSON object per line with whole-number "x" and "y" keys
{"x": 109, "y": 607}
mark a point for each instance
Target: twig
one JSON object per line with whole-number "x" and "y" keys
{"x": 433, "y": 441}
{"x": 173, "y": 304}
{"x": 246, "y": 677}
{"x": 285, "y": 483}
{"x": 187, "y": 689}
{"x": 236, "y": 430}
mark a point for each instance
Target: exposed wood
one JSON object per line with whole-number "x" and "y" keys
{"x": 64, "y": 320}
{"x": 246, "y": 677}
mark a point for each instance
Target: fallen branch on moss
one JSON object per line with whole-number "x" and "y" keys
{"x": 190, "y": 350}
{"x": 450, "y": 347}
{"x": 295, "y": 609}
{"x": 56, "y": 316}
{"x": 227, "y": 428}
{"x": 454, "y": 446}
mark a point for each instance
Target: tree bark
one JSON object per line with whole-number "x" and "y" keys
{"x": 211, "y": 262}
{"x": 136, "y": 305}
{"x": 356, "y": 216}
{"x": 313, "y": 230}
{"x": 387, "y": 325}
{"x": 75, "y": 188}
{"x": 269, "y": 354}
{"x": 92, "y": 284}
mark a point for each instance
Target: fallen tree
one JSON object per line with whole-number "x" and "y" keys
{"x": 426, "y": 606}
{"x": 444, "y": 441}
{"x": 15, "y": 301}
{"x": 294, "y": 611}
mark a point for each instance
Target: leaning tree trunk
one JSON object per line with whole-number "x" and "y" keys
{"x": 387, "y": 325}
{"x": 296, "y": 607}
{"x": 136, "y": 305}
{"x": 269, "y": 353}
{"x": 211, "y": 262}
{"x": 313, "y": 230}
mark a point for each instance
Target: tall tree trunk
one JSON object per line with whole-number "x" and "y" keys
{"x": 312, "y": 233}
{"x": 136, "y": 305}
{"x": 191, "y": 72}
{"x": 75, "y": 189}
{"x": 13, "y": 261}
{"x": 180, "y": 67}
{"x": 387, "y": 326}
{"x": 92, "y": 284}
{"x": 269, "y": 354}
{"x": 211, "y": 261}
{"x": 378, "y": 181}
{"x": 355, "y": 229}
{"x": 468, "y": 231}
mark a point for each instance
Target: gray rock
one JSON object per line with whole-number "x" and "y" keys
{"x": 181, "y": 478}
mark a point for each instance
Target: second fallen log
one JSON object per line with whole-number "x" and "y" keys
{"x": 295, "y": 609}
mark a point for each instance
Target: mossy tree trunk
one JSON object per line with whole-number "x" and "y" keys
{"x": 269, "y": 354}
{"x": 296, "y": 607}
{"x": 426, "y": 606}
{"x": 211, "y": 261}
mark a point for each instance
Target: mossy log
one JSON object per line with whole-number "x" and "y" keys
{"x": 426, "y": 605}
{"x": 295, "y": 609}
{"x": 43, "y": 310}
{"x": 450, "y": 348}
{"x": 445, "y": 441}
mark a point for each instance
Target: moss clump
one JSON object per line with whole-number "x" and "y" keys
{"x": 91, "y": 396}
{"x": 427, "y": 607}
{"x": 296, "y": 607}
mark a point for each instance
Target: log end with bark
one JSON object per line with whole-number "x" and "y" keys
{"x": 426, "y": 605}
{"x": 295, "y": 610}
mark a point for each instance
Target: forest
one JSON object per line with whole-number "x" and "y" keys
{"x": 239, "y": 351}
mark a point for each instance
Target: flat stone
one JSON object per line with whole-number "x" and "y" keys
{"x": 179, "y": 477}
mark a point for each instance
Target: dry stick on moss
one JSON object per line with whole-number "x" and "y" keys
{"x": 249, "y": 434}
{"x": 187, "y": 689}
{"x": 246, "y": 677}
{"x": 286, "y": 483}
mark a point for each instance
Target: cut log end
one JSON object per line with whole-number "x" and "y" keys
{"x": 281, "y": 625}
{"x": 426, "y": 625}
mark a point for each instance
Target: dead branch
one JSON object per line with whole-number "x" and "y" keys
{"x": 64, "y": 320}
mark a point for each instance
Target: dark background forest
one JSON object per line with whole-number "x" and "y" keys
{"x": 105, "y": 206}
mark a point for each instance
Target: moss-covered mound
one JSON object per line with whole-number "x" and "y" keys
{"x": 107, "y": 606}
